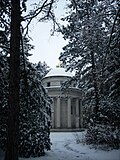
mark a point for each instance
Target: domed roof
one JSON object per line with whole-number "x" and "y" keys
{"x": 59, "y": 72}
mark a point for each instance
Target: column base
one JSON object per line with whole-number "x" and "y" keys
{"x": 67, "y": 130}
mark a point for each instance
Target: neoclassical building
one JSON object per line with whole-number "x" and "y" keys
{"x": 67, "y": 106}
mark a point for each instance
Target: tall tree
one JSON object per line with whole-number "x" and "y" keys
{"x": 84, "y": 51}
{"x": 35, "y": 104}
{"x": 11, "y": 12}
{"x": 4, "y": 68}
{"x": 89, "y": 33}
{"x": 14, "y": 81}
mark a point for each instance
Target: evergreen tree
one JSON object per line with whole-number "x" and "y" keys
{"x": 35, "y": 109}
{"x": 42, "y": 69}
{"x": 34, "y": 102}
{"x": 4, "y": 51}
{"x": 88, "y": 30}
{"x": 3, "y": 98}
{"x": 34, "y": 116}
{"x": 35, "y": 106}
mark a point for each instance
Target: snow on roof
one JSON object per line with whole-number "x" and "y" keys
{"x": 59, "y": 72}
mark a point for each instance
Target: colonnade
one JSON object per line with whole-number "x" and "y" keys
{"x": 57, "y": 116}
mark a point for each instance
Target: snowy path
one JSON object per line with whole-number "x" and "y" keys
{"x": 65, "y": 148}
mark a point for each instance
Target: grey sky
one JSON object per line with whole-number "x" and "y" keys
{"x": 47, "y": 47}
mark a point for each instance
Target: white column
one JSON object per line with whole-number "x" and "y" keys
{"x": 53, "y": 113}
{"x": 52, "y": 120}
{"x": 77, "y": 113}
{"x": 69, "y": 113}
{"x": 58, "y": 113}
{"x": 81, "y": 113}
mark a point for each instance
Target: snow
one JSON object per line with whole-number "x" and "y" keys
{"x": 64, "y": 147}
{"x": 59, "y": 72}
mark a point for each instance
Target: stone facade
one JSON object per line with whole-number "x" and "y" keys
{"x": 67, "y": 106}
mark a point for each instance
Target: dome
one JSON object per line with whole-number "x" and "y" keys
{"x": 59, "y": 72}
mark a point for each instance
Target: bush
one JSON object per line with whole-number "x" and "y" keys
{"x": 103, "y": 135}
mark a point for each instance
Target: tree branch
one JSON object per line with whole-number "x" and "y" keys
{"x": 110, "y": 39}
{"x": 5, "y": 47}
{"x": 36, "y": 13}
{"x": 43, "y": 7}
{"x": 113, "y": 27}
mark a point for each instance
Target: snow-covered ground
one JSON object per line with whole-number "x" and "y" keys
{"x": 64, "y": 147}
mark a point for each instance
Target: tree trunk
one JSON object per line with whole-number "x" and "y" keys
{"x": 14, "y": 81}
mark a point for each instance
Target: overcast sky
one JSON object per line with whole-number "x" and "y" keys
{"x": 47, "y": 47}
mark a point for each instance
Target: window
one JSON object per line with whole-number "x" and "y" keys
{"x": 48, "y": 84}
